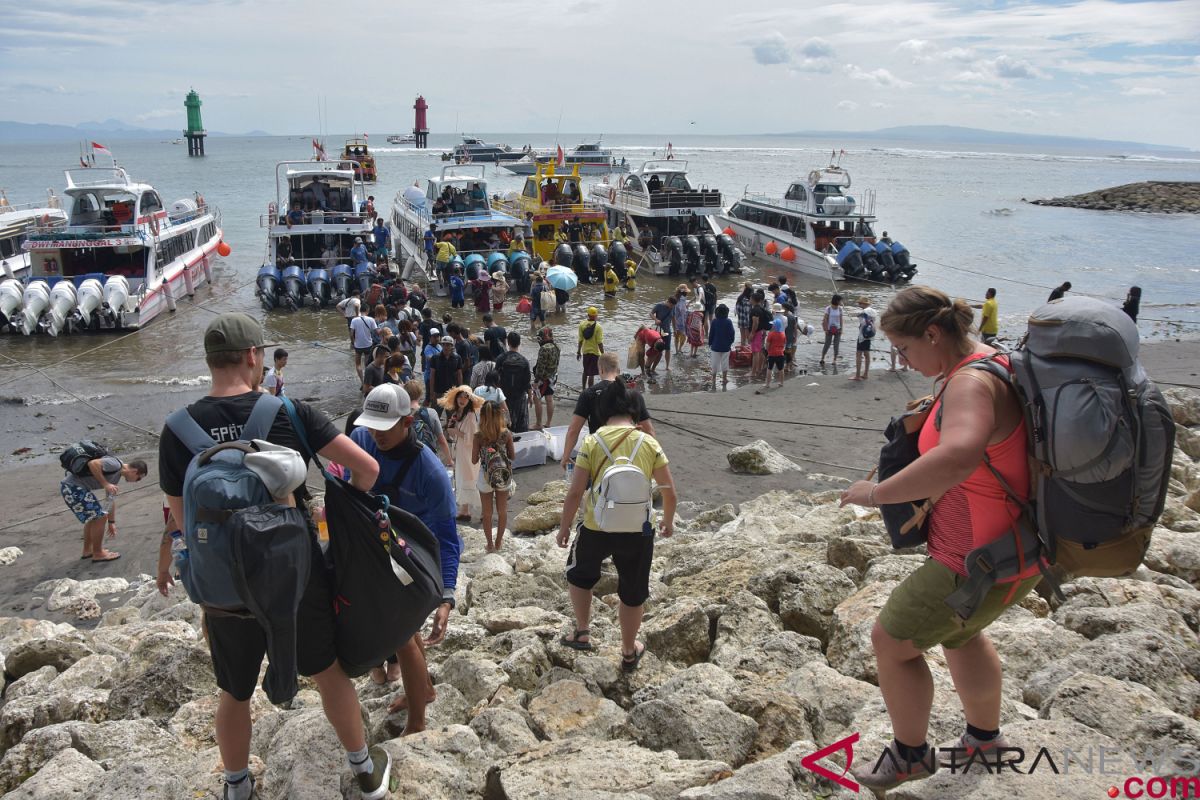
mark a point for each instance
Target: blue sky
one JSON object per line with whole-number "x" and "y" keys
{"x": 1098, "y": 68}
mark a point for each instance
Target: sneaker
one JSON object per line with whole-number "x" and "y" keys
{"x": 226, "y": 795}
{"x": 894, "y": 771}
{"x": 955, "y": 755}
{"x": 374, "y": 784}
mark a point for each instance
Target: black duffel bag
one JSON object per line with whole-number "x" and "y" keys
{"x": 907, "y": 523}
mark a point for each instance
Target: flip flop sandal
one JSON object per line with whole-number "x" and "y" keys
{"x": 113, "y": 557}
{"x": 574, "y": 642}
{"x": 630, "y": 662}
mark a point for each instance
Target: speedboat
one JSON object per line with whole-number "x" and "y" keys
{"x": 668, "y": 222}
{"x": 818, "y": 228}
{"x": 406, "y": 138}
{"x": 456, "y": 201}
{"x": 16, "y": 221}
{"x": 308, "y": 260}
{"x": 590, "y": 157}
{"x": 474, "y": 150}
{"x": 118, "y": 260}
{"x": 356, "y": 155}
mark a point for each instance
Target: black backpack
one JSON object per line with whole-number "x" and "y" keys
{"x": 75, "y": 459}
{"x": 514, "y": 374}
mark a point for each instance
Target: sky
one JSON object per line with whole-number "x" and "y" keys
{"x": 1091, "y": 68}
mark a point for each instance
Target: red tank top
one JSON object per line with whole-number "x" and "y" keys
{"x": 978, "y": 510}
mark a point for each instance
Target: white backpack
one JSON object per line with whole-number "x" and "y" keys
{"x": 621, "y": 494}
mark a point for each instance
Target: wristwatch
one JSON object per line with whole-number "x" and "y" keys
{"x": 449, "y": 600}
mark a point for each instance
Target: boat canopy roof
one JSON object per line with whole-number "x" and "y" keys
{"x": 660, "y": 166}
{"x": 103, "y": 177}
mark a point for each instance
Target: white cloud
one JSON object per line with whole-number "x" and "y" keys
{"x": 772, "y": 50}
{"x": 880, "y": 77}
{"x": 848, "y": 105}
{"x": 1144, "y": 91}
{"x": 814, "y": 55}
{"x": 880, "y": 105}
{"x": 816, "y": 48}
{"x": 158, "y": 113}
{"x": 1006, "y": 66}
{"x": 919, "y": 50}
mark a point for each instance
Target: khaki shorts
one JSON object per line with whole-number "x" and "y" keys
{"x": 916, "y": 610}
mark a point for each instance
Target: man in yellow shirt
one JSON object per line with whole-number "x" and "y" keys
{"x": 989, "y": 323}
{"x": 611, "y": 282}
{"x": 591, "y": 345}
{"x": 445, "y": 251}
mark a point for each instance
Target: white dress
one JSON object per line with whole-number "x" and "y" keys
{"x": 465, "y": 470}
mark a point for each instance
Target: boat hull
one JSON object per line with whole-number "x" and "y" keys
{"x": 526, "y": 168}
{"x": 753, "y": 240}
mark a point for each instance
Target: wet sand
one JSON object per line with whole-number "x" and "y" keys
{"x": 36, "y": 520}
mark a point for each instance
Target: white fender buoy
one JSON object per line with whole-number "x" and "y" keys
{"x": 188, "y": 283}
{"x": 207, "y": 268}
{"x": 63, "y": 298}
{"x": 168, "y": 294}
{"x": 33, "y": 302}
{"x": 91, "y": 296}
{"x": 10, "y": 301}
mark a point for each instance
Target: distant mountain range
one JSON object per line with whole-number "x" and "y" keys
{"x": 112, "y": 128}
{"x": 959, "y": 135}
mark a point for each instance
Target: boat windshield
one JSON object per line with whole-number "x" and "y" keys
{"x": 324, "y": 192}
{"x": 106, "y": 207}
{"x": 460, "y": 198}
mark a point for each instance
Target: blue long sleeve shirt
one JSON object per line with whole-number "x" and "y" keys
{"x": 425, "y": 492}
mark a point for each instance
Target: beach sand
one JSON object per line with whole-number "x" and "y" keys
{"x": 36, "y": 520}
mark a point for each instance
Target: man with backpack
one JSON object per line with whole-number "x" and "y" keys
{"x": 587, "y": 407}
{"x": 362, "y": 336}
{"x": 866, "y": 334}
{"x": 494, "y": 337}
{"x": 234, "y": 408}
{"x": 89, "y": 468}
{"x": 412, "y": 478}
{"x": 516, "y": 381}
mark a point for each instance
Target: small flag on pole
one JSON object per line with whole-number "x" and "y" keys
{"x": 560, "y": 159}
{"x": 99, "y": 148}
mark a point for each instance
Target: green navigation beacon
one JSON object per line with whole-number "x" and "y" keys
{"x": 195, "y": 128}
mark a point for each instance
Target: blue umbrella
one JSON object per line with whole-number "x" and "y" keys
{"x": 562, "y": 278}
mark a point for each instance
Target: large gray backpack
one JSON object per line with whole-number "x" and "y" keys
{"x": 1101, "y": 439}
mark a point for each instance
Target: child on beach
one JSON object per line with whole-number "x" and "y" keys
{"x": 695, "y": 327}
{"x": 458, "y": 296}
{"x": 494, "y": 452}
{"x": 866, "y": 334}
{"x": 499, "y": 290}
{"x": 776, "y": 344}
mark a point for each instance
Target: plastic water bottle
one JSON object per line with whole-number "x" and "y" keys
{"x": 570, "y": 471}
{"x": 179, "y": 551}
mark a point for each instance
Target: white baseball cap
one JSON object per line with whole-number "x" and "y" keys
{"x": 386, "y": 405}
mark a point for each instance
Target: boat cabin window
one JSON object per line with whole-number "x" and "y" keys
{"x": 796, "y": 192}
{"x": 677, "y": 182}
{"x": 321, "y": 193}
{"x": 106, "y": 207}
{"x": 11, "y": 246}
{"x": 633, "y": 183}
{"x": 530, "y": 189}
{"x": 151, "y": 204}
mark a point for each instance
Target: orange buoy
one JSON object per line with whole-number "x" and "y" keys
{"x": 787, "y": 254}
{"x": 223, "y": 249}
{"x": 771, "y": 248}
{"x": 729, "y": 232}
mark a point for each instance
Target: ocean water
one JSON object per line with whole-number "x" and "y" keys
{"x": 959, "y": 210}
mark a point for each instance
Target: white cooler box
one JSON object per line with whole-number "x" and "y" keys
{"x": 557, "y": 437}
{"x": 530, "y": 448}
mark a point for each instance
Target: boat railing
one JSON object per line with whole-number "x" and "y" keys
{"x": 7, "y": 207}
{"x": 315, "y": 219}
{"x": 672, "y": 198}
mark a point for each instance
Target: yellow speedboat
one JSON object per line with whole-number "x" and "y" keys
{"x": 357, "y": 153}
{"x": 555, "y": 198}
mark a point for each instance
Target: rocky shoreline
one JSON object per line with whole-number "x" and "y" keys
{"x": 1161, "y": 197}
{"x": 758, "y": 635}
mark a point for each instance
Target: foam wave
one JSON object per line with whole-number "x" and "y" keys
{"x": 199, "y": 380}
{"x": 62, "y": 400}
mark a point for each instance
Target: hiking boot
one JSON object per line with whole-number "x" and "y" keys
{"x": 226, "y": 794}
{"x": 374, "y": 784}
{"x": 955, "y": 755}
{"x": 894, "y": 770}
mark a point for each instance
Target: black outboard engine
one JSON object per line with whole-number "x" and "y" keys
{"x": 293, "y": 287}
{"x": 886, "y": 262}
{"x": 725, "y": 244}
{"x": 674, "y": 249}
{"x": 518, "y": 271}
{"x": 563, "y": 256}
{"x": 733, "y": 261}
{"x": 709, "y": 254}
{"x": 362, "y": 276}
{"x": 318, "y": 287}
{"x": 599, "y": 260}
{"x": 617, "y": 254}
{"x": 905, "y": 269}
{"x": 341, "y": 280}
{"x": 691, "y": 254}
{"x": 849, "y": 257}
{"x": 268, "y": 282}
{"x": 581, "y": 263}
{"x": 870, "y": 260}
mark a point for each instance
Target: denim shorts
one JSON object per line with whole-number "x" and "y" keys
{"x": 82, "y": 502}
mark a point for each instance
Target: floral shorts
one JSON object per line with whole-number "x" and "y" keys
{"x": 82, "y": 502}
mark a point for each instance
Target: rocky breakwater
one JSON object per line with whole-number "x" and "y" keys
{"x": 1168, "y": 197}
{"x": 758, "y": 635}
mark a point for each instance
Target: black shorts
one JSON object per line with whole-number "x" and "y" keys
{"x": 661, "y": 345}
{"x": 364, "y": 351}
{"x": 776, "y": 362}
{"x": 238, "y": 644}
{"x": 591, "y": 364}
{"x": 544, "y": 388}
{"x": 864, "y": 346}
{"x": 631, "y": 554}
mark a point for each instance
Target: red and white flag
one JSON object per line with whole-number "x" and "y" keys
{"x": 99, "y": 148}
{"x": 318, "y": 150}
{"x": 560, "y": 159}
{"x": 365, "y": 136}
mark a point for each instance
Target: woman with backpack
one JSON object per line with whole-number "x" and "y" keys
{"x": 462, "y": 420}
{"x": 972, "y": 443}
{"x": 493, "y": 450}
{"x": 617, "y": 462}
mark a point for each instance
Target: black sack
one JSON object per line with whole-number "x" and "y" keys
{"x": 907, "y": 523}
{"x": 387, "y": 575}
{"x": 75, "y": 459}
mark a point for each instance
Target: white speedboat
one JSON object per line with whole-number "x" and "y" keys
{"x": 119, "y": 259}
{"x": 16, "y": 221}
{"x": 670, "y": 221}
{"x": 590, "y": 157}
{"x": 320, "y": 208}
{"x": 818, "y": 228}
{"x": 406, "y": 138}
{"x": 474, "y": 150}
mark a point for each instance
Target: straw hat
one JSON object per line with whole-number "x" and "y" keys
{"x": 449, "y": 400}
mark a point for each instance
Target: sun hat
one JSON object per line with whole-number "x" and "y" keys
{"x": 386, "y": 405}
{"x": 233, "y": 331}
{"x": 591, "y": 312}
{"x": 447, "y": 340}
{"x": 777, "y": 308}
{"x": 280, "y": 468}
{"x": 449, "y": 400}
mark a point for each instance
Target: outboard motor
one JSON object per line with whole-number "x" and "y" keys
{"x": 850, "y": 260}
{"x": 473, "y": 264}
{"x": 886, "y": 262}
{"x": 268, "y": 282}
{"x": 709, "y": 254}
{"x": 599, "y": 260}
{"x": 116, "y": 296}
{"x": 340, "y": 275}
{"x": 725, "y": 244}
{"x": 518, "y": 271}
{"x": 293, "y": 287}
{"x": 563, "y": 255}
{"x": 362, "y": 276}
{"x": 454, "y": 265}
{"x": 496, "y": 262}
{"x": 63, "y": 298}
{"x": 318, "y": 287}
{"x": 580, "y": 263}
{"x": 91, "y": 297}
{"x": 617, "y": 254}
{"x": 905, "y": 269}
{"x": 691, "y": 253}
{"x": 10, "y": 301}
{"x": 733, "y": 262}
{"x": 870, "y": 260}
{"x": 674, "y": 249}
{"x": 34, "y": 301}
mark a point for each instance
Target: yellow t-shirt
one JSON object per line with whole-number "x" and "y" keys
{"x": 591, "y": 347}
{"x": 445, "y": 251}
{"x": 591, "y": 458}
{"x": 610, "y": 280}
{"x": 990, "y": 324}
